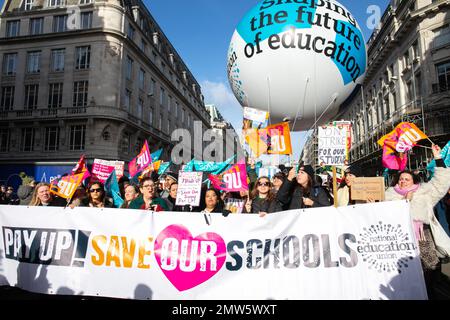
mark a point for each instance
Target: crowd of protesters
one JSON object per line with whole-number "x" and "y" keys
{"x": 294, "y": 188}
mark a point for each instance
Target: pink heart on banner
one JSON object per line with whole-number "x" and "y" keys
{"x": 187, "y": 261}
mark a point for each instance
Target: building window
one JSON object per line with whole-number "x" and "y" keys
{"x": 4, "y": 140}
{"x": 12, "y": 28}
{"x": 126, "y": 142}
{"x": 151, "y": 90}
{"x": 86, "y": 1}
{"x": 77, "y": 137}
{"x": 7, "y": 102}
{"x": 150, "y": 116}
{"x": 86, "y": 20}
{"x": 182, "y": 115}
{"x": 27, "y": 139}
{"x": 141, "y": 79}
{"x": 129, "y": 74}
{"x": 160, "y": 121}
{"x": 36, "y": 26}
{"x": 140, "y": 106}
{"x": 443, "y": 72}
{"x": 9, "y": 64}
{"x": 31, "y": 96}
{"x": 80, "y": 93}
{"x": 168, "y": 126}
{"x": 60, "y": 23}
{"x": 162, "y": 96}
{"x": 83, "y": 57}
{"x": 176, "y": 109}
{"x": 28, "y": 5}
{"x": 57, "y": 63}
{"x": 33, "y": 62}
{"x": 55, "y": 93}
{"x": 143, "y": 45}
{"x": 56, "y": 3}
{"x": 415, "y": 49}
{"x": 127, "y": 100}
{"x": 406, "y": 59}
{"x": 130, "y": 32}
{"x": 51, "y": 139}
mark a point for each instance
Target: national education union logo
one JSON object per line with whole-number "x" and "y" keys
{"x": 386, "y": 248}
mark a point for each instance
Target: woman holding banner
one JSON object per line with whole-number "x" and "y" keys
{"x": 214, "y": 203}
{"x": 96, "y": 197}
{"x": 148, "y": 200}
{"x": 299, "y": 190}
{"x": 262, "y": 199}
{"x": 432, "y": 239}
{"x": 42, "y": 197}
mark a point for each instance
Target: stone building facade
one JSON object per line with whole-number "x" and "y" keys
{"x": 89, "y": 77}
{"x": 407, "y": 79}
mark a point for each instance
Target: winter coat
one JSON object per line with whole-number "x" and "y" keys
{"x": 25, "y": 193}
{"x": 261, "y": 205}
{"x": 343, "y": 197}
{"x": 291, "y": 193}
{"x": 108, "y": 203}
{"x": 422, "y": 203}
{"x": 139, "y": 203}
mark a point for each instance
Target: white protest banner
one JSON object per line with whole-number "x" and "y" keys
{"x": 332, "y": 146}
{"x": 357, "y": 252}
{"x": 189, "y": 188}
{"x": 103, "y": 168}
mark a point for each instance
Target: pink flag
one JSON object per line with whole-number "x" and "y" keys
{"x": 234, "y": 179}
{"x": 81, "y": 167}
{"x": 392, "y": 159}
{"x": 142, "y": 161}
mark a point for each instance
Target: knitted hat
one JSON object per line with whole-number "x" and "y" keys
{"x": 308, "y": 169}
{"x": 355, "y": 170}
{"x": 172, "y": 175}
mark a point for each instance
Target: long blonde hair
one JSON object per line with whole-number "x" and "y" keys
{"x": 35, "y": 201}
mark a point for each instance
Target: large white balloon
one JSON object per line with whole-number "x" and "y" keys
{"x": 297, "y": 59}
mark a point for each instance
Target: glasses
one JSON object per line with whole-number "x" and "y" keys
{"x": 95, "y": 190}
{"x": 263, "y": 184}
{"x": 148, "y": 186}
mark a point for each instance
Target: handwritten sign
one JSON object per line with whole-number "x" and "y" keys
{"x": 333, "y": 146}
{"x": 189, "y": 188}
{"x": 363, "y": 188}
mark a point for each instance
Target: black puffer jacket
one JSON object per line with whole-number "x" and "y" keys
{"x": 262, "y": 205}
{"x": 291, "y": 196}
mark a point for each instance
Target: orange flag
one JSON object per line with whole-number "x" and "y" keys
{"x": 275, "y": 139}
{"x": 66, "y": 186}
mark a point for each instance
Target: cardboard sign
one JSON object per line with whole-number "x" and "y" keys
{"x": 362, "y": 188}
{"x": 189, "y": 188}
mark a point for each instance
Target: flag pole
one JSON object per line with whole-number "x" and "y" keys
{"x": 335, "y": 187}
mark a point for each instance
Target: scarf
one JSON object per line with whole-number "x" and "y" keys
{"x": 417, "y": 224}
{"x": 404, "y": 192}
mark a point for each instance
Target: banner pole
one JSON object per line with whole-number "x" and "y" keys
{"x": 335, "y": 187}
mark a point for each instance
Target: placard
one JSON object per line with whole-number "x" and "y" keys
{"x": 189, "y": 188}
{"x": 332, "y": 146}
{"x": 373, "y": 187}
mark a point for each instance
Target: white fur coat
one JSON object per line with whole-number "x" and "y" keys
{"x": 422, "y": 203}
